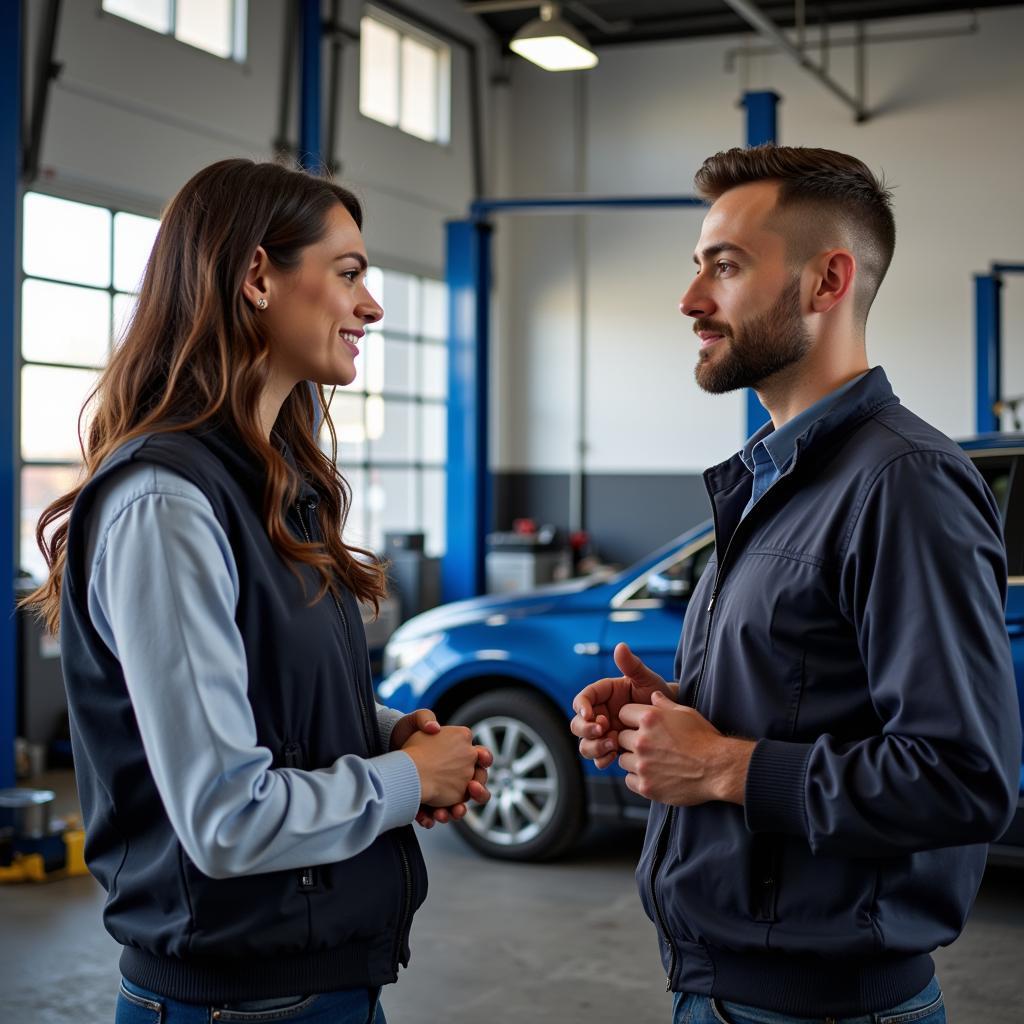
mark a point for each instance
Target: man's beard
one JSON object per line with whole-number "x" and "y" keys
{"x": 759, "y": 349}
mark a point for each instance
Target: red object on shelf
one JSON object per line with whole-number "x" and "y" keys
{"x": 525, "y": 527}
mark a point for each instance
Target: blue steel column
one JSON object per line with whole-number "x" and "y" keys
{"x": 762, "y": 121}
{"x": 311, "y": 35}
{"x": 762, "y": 126}
{"x": 469, "y": 481}
{"x": 987, "y": 348}
{"x": 10, "y": 147}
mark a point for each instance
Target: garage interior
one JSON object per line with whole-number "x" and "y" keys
{"x": 526, "y": 412}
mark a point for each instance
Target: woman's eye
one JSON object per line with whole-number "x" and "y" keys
{"x": 351, "y": 275}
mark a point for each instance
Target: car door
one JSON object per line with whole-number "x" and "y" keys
{"x": 648, "y": 614}
{"x": 1004, "y": 473}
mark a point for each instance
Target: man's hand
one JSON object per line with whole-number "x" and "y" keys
{"x": 676, "y": 756}
{"x": 598, "y": 706}
{"x": 407, "y": 735}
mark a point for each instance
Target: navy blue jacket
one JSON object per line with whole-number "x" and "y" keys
{"x": 852, "y": 623}
{"x": 186, "y": 935}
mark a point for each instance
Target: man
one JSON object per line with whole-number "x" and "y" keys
{"x": 843, "y": 739}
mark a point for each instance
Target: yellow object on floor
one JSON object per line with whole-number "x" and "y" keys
{"x": 30, "y": 867}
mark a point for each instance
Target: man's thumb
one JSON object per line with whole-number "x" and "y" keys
{"x": 660, "y": 699}
{"x": 633, "y": 668}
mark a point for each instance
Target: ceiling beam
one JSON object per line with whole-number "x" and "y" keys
{"x": 757, "y": 19}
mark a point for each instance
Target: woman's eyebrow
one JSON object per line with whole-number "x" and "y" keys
{"x": 357, "y": 256}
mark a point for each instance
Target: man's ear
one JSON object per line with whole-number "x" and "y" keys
{"x": 256, "y": 287}
{"x": 836, "y": 272}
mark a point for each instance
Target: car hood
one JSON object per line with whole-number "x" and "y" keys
{"x": 479, "y": 609}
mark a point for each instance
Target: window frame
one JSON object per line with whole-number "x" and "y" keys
{"x": 443, "y": 85}
{"x": 416, "y": 400}
{"x": 110, "y": 289}
{"x": 239, "y": 30}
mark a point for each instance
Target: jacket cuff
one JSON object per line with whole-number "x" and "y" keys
{"x": 774, "y": 798}
{"x": 401, "y": 784}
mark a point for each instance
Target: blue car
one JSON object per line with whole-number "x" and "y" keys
{"x": 509, "y": 666}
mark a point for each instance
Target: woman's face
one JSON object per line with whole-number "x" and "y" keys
{"x": 316, "y": 315}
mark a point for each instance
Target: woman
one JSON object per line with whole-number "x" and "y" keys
{"x": 247, "y": 803}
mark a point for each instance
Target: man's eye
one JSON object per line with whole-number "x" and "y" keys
{"x": 722, "y": 266}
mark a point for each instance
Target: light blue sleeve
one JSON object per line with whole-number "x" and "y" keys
{"x": 387, "y": 719}
{"x": 162, "y": 593}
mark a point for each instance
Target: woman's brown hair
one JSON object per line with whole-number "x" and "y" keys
{"x": 195, "y": 354}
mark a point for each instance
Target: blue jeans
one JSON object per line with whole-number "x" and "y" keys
{"x": 924, "y": 1008}
{"x": 352, "y": 1006}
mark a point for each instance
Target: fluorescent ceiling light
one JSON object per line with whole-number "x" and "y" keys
{"x": 552, "y": 43}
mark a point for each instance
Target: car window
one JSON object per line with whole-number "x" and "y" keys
{"x": 1003, "y": 475}
{"x": 997, "y": 471}
{"x": 689, "y": 567}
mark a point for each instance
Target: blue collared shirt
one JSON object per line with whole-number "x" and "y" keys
{"x": 768, "y": 453}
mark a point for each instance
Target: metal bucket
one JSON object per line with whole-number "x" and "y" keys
{"x": 31, "y": 809}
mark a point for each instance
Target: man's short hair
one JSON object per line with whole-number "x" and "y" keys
{"x": 826, "y": 199}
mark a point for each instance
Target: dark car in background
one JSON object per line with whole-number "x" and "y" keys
{"x": 509, "y": 667}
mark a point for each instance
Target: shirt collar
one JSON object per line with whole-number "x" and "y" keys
{"x": 779, "y": 445}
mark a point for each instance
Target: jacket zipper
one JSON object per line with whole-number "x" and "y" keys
{"x": 662, "y": 846}
{"x": 292, "y": 759}
{"x": 372, "y": 745}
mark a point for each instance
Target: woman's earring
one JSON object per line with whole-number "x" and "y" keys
{"x": 261, "y": 303}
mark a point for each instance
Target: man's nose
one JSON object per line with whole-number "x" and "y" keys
{"x": 696, "y": 302}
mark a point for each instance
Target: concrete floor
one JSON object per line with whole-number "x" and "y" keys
{"x": 495, "y": 942}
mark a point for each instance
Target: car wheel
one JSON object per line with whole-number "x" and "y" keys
{"x": 536, "y": 810}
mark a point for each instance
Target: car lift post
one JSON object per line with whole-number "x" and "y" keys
{"x": 988, "y": 344}
{"x": 10, "y": 160}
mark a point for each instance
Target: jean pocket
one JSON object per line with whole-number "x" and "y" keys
{"x": 278, "y": 1013}
{"x": 135, "y": 1009}
{"x": 933, "y": 1013}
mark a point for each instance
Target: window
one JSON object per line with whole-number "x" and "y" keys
{"x": 1002, "y": 473}
{"x": 217, "y": 26}
{"x": 391, "y": 422}
{"x": 404, "y": 78}
{"x": 81, "y": 266}
{"x": 675, "y": 579}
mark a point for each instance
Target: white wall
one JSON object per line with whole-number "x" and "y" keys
{"x": 134, "y": 114}
{"x": 946, "y": 134}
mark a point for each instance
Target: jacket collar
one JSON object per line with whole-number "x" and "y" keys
{"x": 869, "y": 394}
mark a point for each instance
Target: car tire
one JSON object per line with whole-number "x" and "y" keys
{"x": 537, "y": 809}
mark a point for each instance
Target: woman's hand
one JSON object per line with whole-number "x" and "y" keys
{"x": 424, "y": 722}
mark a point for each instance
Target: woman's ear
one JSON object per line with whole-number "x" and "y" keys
{"x": 256, "y": 287}
{"x": 836, "y": 274}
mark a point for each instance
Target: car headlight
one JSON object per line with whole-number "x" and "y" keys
{"x": 402, "y": 654}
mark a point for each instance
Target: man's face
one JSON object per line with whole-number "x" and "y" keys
{"x": 745, "y": 299}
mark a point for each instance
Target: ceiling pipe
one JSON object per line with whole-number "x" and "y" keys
{"x": 757, "y": 19}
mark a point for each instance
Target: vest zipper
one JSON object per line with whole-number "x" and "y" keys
{"x": 364, "y": 718}
{"x": 402, "y": 938}
{"x": 373, "y": 745}
{"x": 292, "y": 757}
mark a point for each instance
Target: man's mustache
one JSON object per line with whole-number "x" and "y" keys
{"x": 711, "y": 325}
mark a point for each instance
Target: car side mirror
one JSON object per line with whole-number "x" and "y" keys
{"x": 669, "y": 588}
